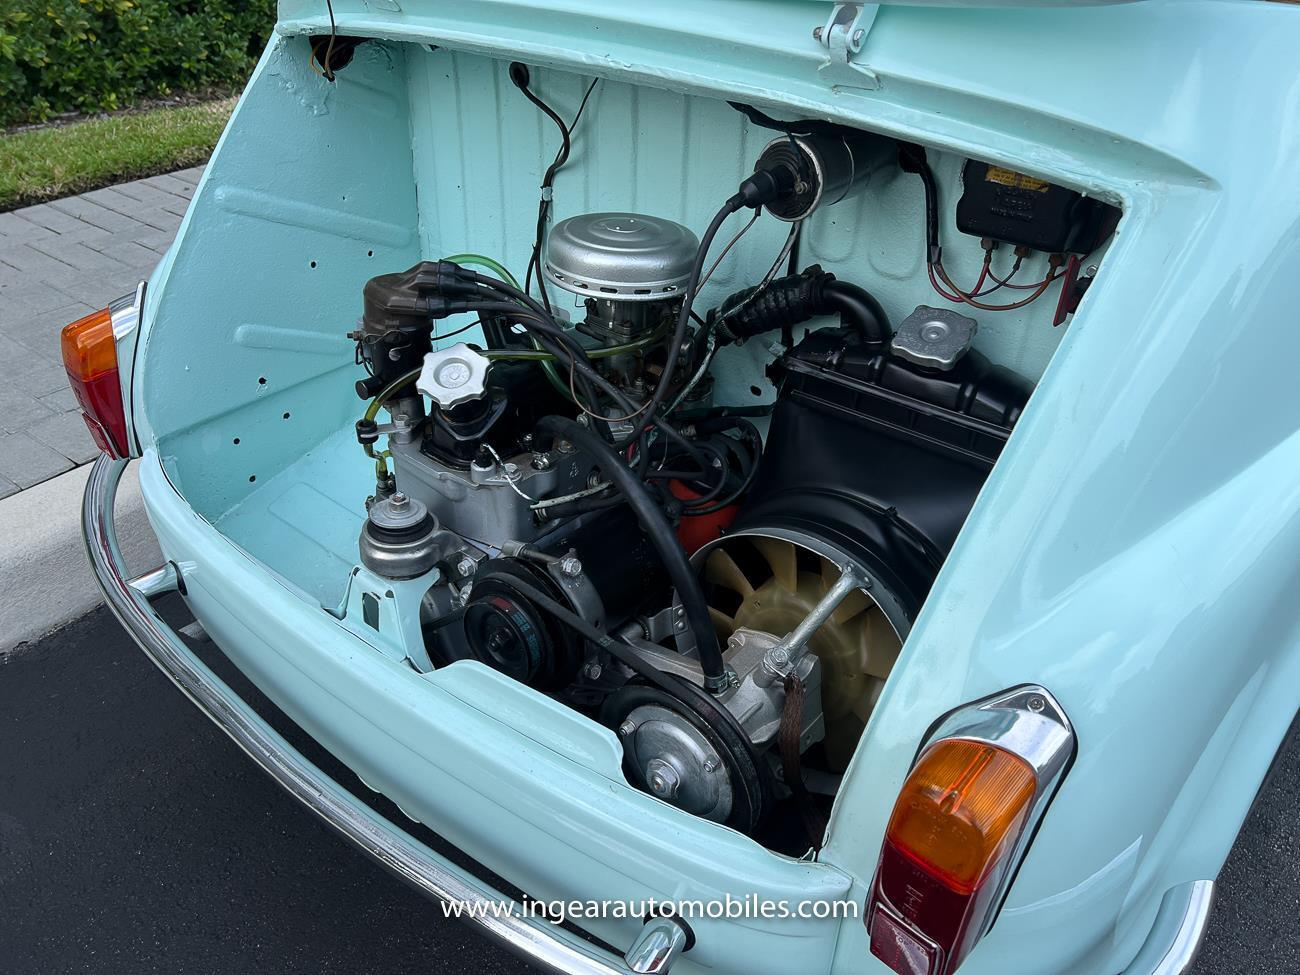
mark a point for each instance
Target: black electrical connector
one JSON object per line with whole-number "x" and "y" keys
{"x": 766, "y": 185}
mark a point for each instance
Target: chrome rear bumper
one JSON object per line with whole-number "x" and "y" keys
{"x": 538, "y": 942}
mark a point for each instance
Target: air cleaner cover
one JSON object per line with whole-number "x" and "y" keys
{"x": 620, "y": 256}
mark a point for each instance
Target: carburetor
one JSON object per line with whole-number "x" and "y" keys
{"x": 631, "y": 270}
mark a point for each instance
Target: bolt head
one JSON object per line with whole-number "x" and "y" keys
{"x": 780, "y": 656}
{"x": 541, "y": 462}
{"x": 817, "y": 33}
{"x": 680, "y": 625}
{"x": 466, "y": 566}
{"x": 398, "y": 500}
{"x": 858, "y": 35}
{"x": 627, "y": 727}
{"x": 711, "y": 764}
{"x": 662, "y": 778}
{"x": 570, "y": 566}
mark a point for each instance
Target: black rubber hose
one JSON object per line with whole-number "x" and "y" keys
{"x": 857, "y": 307}
{"x": 796, "y": 298}
{"x": 661, "y": 536}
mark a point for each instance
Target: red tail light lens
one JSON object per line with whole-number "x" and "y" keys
{"x": 960, "y": 826}
{"x": 960, "y": 809}
{"x": 90, "y": 358}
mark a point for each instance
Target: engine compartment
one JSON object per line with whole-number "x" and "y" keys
{"x": 704, "y": 518}
{"x": 591, "y": 524}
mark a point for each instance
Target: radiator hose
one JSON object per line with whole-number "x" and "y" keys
{"x": 795, "y": 299}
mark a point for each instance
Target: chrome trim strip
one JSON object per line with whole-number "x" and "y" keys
{"x": 538, "y": 942}
{"x": 1178, "y": 932}
{"x": 1026, "y": 721}
{"x": 125, "y": 312}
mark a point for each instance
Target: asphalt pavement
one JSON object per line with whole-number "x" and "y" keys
{"x": 135, "y": 838}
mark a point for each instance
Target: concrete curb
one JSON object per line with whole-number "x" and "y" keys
{"x": 44, "y": 573}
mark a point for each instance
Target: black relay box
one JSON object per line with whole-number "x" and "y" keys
{"x": 1013, "y": 208}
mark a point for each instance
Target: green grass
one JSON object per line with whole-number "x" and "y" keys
{"x": 44, "y": 164}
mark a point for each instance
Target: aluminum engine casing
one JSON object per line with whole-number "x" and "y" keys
{"x": 480, "y": 503}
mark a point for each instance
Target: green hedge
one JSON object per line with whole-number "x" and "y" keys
{"x": 99, "y": 55}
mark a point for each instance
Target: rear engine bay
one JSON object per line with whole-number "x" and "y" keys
{"x": 693, "y": 478}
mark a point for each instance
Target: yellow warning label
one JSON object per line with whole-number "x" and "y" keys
{"x": 996, "y": 174}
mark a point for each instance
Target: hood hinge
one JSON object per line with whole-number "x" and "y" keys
{"x": 842, "y": 35}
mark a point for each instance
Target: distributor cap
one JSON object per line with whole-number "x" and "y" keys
{"x": 620, "y": 256}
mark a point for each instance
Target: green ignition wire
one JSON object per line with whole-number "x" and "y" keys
{"x": 478, "y": 260}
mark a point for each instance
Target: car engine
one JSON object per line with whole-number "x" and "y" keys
{"x": 725, "y": 588}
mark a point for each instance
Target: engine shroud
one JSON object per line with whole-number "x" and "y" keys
{"x": 880, "y": 458}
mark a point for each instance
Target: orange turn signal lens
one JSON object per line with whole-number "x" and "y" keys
{"x": 90, "y": 358}
{"x": 960, "y": 808}
{"x": 88, "y": 347}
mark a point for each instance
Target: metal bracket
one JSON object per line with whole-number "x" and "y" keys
{"x": 843, "y": 35}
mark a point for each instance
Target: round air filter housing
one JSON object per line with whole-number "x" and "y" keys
{"x": 620, "y": 256}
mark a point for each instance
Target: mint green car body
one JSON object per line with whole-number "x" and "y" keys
{"x": 1136, "y": 550}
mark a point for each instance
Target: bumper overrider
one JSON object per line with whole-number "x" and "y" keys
{"x": 1170, "y": 948}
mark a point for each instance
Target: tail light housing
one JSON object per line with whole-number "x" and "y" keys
{"x": 961, "y": 826}
{"x": 94, "y": 348}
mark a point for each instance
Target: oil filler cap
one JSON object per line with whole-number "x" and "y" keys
{"x": 454, "y": 375}
{"x": 934, "y": 337}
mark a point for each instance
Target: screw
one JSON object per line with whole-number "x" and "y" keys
{"x": 1091, "y": 272}
{"x": 817, "y": 33}
{"x": 466, "y": 566}
{"x": 626, "y": 728}
{"x": 1036, "y": 704}
{"x": 593, "y": 671}
{"x": 711, "y": 764}
{"x": 570, "y": 566}
{"x": 857, "y": 37}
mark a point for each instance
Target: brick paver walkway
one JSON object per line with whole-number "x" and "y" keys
{"x": 59, "y": 261}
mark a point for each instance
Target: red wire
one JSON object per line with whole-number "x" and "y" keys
{"x": 970, "y": 300}
{"x": 934, "y": 281}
